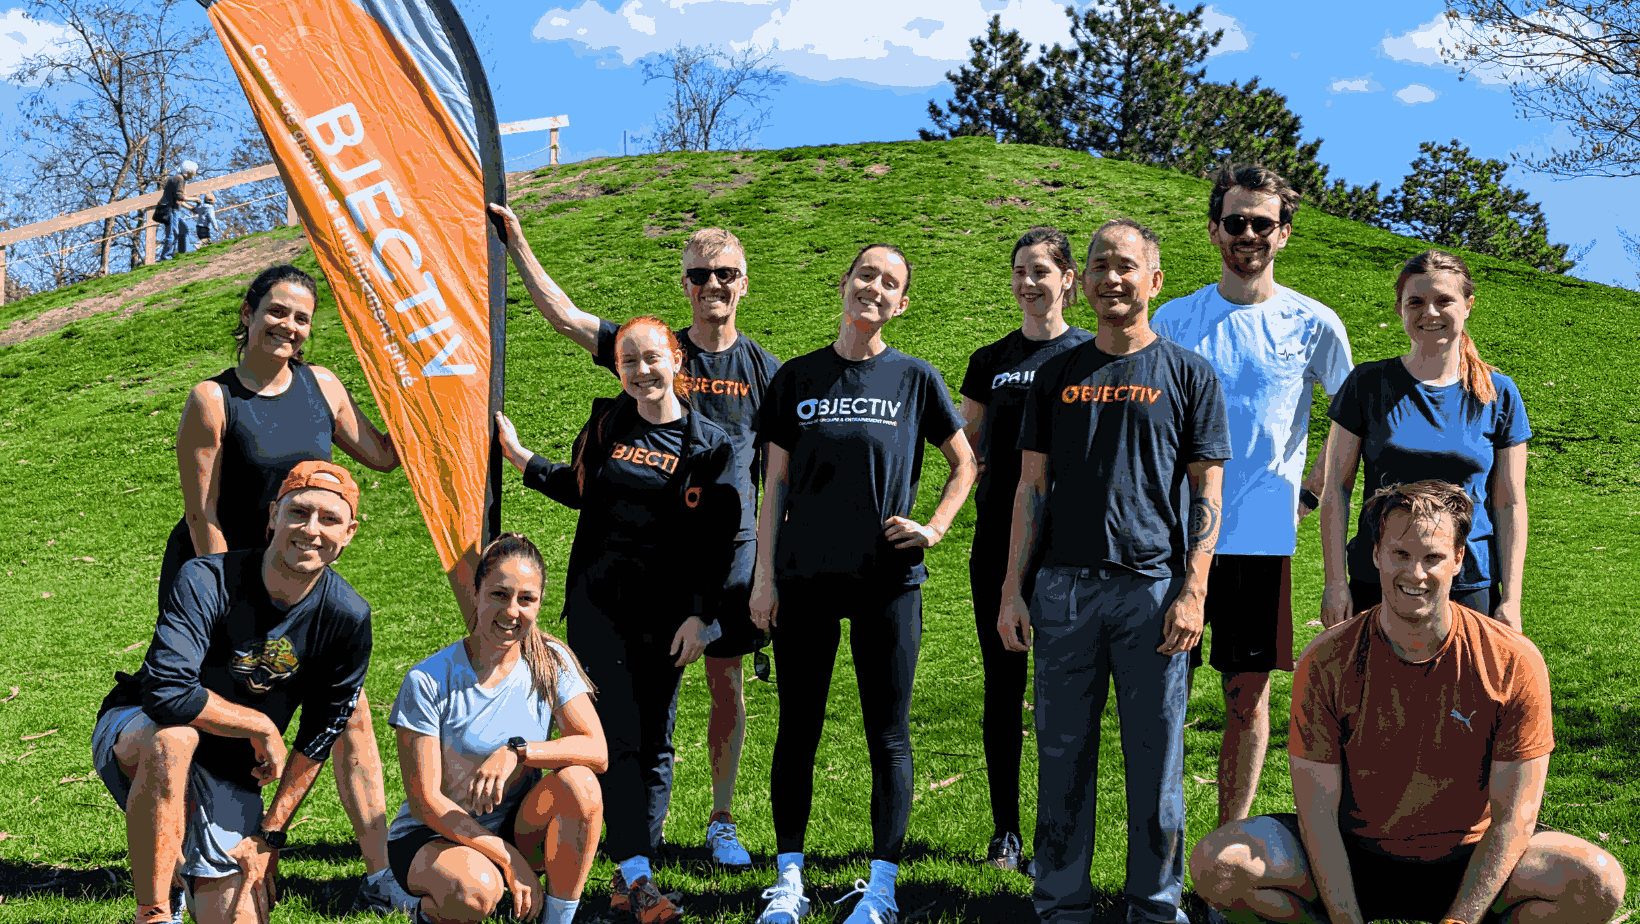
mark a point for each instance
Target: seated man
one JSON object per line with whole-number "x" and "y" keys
{"x": 1419, "y": 744}
{"x": 244, "y": 639}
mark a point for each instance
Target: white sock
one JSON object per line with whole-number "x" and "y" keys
{"x": 559, "y": 910}
{"x": 883, "y": 874}
{"x": 791, "y": 868}
{"x": 634, "y": 868}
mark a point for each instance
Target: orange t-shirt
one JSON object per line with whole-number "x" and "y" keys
{"x": 1417, "y": 741}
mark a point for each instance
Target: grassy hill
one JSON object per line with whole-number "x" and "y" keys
{"x": 88, "y": 414}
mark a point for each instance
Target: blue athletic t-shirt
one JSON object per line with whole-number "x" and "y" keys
{"x": 998, "y": 377}
{"x": 854, "y": 430}
{"x": 441, "y": 698}
{"x": 727, "y": 388}
{"x": 1118, "y": 432}
{"x": 1415, "y": 432}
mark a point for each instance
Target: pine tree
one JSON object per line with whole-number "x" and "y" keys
{"x": 1454, "y": 199}
{"x": 998, "y": 93}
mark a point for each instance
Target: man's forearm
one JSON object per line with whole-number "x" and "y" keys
{"x": 1494, "y": 859}
{"x": 229, "y": 719}
{"x": 300, "y": 773}
{"x": 1029, "y": 502}
{"x": 1330, "y": 866}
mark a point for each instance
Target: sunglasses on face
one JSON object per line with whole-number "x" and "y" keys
{"x": 724, "y": 274}
{"x": 1236, "y": 225}
{"x": 761, "y": 667}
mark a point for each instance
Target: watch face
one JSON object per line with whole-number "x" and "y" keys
{"x": 274, "y": 839}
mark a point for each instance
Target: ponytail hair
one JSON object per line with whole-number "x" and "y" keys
{"x": 544, "y": 660}
{"x": 1475, "y": 373}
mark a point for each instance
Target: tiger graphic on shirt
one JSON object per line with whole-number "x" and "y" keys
{"x": 267, "y": 663}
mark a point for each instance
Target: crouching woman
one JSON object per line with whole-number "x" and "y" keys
{"x": 492, "y": 798}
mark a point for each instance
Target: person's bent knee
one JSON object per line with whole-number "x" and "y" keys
{"x": 582, "y": 794}
{"x": 1237, "y": 859}
{"x": 162, "y": 745}
{"x": 1580, "y": 877}
{"x": 472, "y": 896}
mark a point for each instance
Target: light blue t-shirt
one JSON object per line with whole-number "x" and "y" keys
{"x": 441, "y": 697}
{"x": 1268, "y": 356}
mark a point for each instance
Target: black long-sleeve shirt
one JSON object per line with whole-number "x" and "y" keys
{"x": 219, "y": 631}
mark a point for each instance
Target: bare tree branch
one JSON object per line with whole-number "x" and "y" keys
{"x": 720, "y": 99}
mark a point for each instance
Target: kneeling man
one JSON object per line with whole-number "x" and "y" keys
{"x": 184, "y": 746}
{"x": 1419, "y": 744}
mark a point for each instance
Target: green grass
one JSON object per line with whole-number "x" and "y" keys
{"x": 88, "y": 471}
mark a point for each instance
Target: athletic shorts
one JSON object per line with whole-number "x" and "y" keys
{"x": 221, "y": 815}
{"x": 740, "y": 636}
{"x": 1396, "y": 888}
{"x": 1250, "y": 607}
{"x": 403, "y": 847}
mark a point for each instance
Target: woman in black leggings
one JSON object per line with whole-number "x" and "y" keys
{"x": 844, "y": 428}
{"x": 993, "y": 401}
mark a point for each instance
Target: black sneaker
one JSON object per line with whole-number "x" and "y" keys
{"x": 1005, "y": 852}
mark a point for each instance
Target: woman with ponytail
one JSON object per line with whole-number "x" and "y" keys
{"x": 1437, "y": 412}
{"x": 493, "y": 799}
{"x": 660, "y": 495}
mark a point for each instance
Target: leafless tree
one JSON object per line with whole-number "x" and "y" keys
{"x": 1574, "y": 61}
{"x": 720, "y": 99}
{"x": 132, "y": 91}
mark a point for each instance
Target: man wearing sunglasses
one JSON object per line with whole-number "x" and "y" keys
{"x": 1271, "y": 346}
{"x": 724, "y": 375}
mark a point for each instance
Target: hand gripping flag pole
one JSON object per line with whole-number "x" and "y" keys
{"x": 380, "y": 119}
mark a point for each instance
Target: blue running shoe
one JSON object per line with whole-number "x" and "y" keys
{"x": 786, "y": 903}
{"x": 876, "y": 905}
{"x": 726, "y": 848}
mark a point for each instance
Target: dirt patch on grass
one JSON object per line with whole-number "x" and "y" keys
{"x": 1010, "y": 200}
{"x": 234, "y": 263}
{"x": 552, "y": 188}
{"x": 715, "y": 187}
{"x": 878, "y": 169}
{"x": 667, "y": 226}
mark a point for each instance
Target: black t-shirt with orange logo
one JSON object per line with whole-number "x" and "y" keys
{"x": 641, "y": 462}
{"x": 1118, "y": 432}
{"x": 855, "y": 431}
{"x": 727, "y": 388}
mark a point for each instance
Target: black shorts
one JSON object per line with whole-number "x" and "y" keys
{"x": 740, "y": 635}
{"x": 1396, "y": 888}
{"x": 401, "y": 851}
{"x": 1250, "y": 606}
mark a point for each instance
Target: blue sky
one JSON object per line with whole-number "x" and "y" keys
{"x": 1365, "y": 77}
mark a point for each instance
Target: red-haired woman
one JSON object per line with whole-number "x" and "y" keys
{"x": 644, "y": 471}
{"x": 491, "y": 796}
{"x": 1440, "y": 412}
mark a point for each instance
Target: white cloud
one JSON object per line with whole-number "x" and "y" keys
{"x": 1235, "y": 37}
{"x": 1413, "y": 94}
{"x": 817, "y": 39}
{"x": 1364, "y": 84}
{"x": 22, "y": 36}
{"x": 1424, "y": 45}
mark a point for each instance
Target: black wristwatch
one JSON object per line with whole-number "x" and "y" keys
{"x": 517, "y": 743}
{"x": 1308, "y": 498}
{"x": 274, "y": 839}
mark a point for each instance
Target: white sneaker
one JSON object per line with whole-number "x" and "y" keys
{"x": 786, "y": 903}
{"x": 876, "y": 906}
{"x": 726, "y": 848}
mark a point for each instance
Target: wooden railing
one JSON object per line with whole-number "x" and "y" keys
{"x": 145, "y": 204}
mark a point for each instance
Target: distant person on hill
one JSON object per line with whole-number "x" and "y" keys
{"x": 1272, "y": 348}
{"x": 993, "y": 402}
{"x": 240, "y": 433}
{"x": 173, "y": 210}
{"x": 1419, "y": 743}
{"x": 244, "y": 639}
{"x": 659, "y": 488}
{"x": 1121, "y": 435}
{"x": 724, "y": 376}
{"x": 1439, "y": 411}
{"x": 844, "y": 428}
{"x": 491, "y": 796}
{"x": 205, "y": 218}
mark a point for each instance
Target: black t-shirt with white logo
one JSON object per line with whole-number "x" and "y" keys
{"x": 1118, "y": 432}
{"x": 998, "y": 377}
{"x": 726, "y": 387}
{"x": 854, "y": 430}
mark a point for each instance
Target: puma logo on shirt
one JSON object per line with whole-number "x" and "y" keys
{"x": 1463, "y": 718}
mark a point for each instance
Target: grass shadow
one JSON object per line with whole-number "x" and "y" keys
{"x": 35, "y": 880}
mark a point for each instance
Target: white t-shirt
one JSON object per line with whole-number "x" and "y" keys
{"x": 441, "y": 697}
{"x": 1268, "y": 357}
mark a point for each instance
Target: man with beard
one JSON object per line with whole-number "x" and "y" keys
{"x": 1271, "y": 346}
{"x": 724, "y": 376}
{"x": 243, "y": 640}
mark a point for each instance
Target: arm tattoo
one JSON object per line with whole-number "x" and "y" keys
{"x": 1205, "y": 514}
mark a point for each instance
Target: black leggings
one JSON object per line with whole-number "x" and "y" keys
{"x": 884, "y": 640}
{"x": 1005, "y": 671}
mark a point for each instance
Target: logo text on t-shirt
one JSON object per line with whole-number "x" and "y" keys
{"x": 1018, "y": 379}
{"x": 687, "y": 384}
{"x": 851, "y": 410}
{"x": 1109, "y": 393}
{"x": 637, "y": 455}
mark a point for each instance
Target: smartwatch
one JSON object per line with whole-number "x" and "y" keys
{"x": 1308, "y": 498}
{"x": 274, "y": 839}
{"x": 517, "y": 743}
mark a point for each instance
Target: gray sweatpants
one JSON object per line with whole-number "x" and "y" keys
{"x": 1092, "y": 625}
